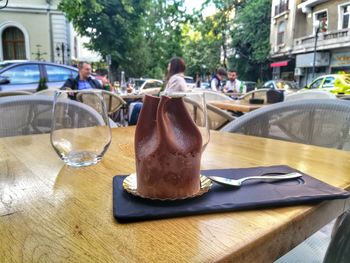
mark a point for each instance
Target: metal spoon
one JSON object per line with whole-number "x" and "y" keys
{"x": 238, "y": 182}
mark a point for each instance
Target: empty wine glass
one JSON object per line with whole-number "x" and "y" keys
{"x": 80, "y": 133}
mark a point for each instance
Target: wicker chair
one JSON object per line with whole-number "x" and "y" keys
{"x": 49, "y": 92}
{"x": 322, "y": 122}
{"x": 317, "y": 122}
{"x": 217, "y": 118}
{"x": 23, "y": 115}
{"x": 113, "y": 101}
{"x": 256, "y": 94}
{"x": 310, "y": 94}
{"x": 216, "y": 96}
{"x": 14, "y": 93}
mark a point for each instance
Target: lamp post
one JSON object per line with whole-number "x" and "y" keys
{"x": 317, "y": 30}
{"x": 63, "y": 48}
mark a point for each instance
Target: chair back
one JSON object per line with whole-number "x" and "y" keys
{"x": 274, "y": 96}
{"x": 49, "y": 92}
{"x": 23, "y": 115}
{"x": 255, "y": 94}
{"x": 310, "y": 94}
{"x": 216, "y": 96}
{"x": 317, "y": 122}
{"x": 113, "y": 101}
{"x": 217, "y": 118}
{"x": 14, "y": 93}
{"x": 339, "y": 247}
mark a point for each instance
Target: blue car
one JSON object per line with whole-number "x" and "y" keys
{"x": 25, "y": 75}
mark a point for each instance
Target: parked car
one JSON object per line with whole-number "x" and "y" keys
{"x": 148, "y": 86}
{"x": 25, "y": 75}
{"x": 288, "y": 86}
{"x": 191, "y": 84}
{"x": 335, "y": 83}
{"x": 205, "y": 85}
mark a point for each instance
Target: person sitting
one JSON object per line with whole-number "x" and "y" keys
{"x": 83, "y": 80}
{"x": 233, "y": 84}
{"x": 215, "y": 82}
{"x": 102, "y": 77}
{"x": 175, "y": 77}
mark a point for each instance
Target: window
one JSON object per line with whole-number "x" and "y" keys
{"x": 328, "y": 82}
{"x": 281, "y": 7}
{"x": 280, "y": 33}
{"x": 56, "y": 74}
{"x": 344, "y": 16}
{"x": 322, "y": 20}
{"x": 24, "y": 74}
{"x": 13, "y": 44}
{"x": 316, "y": 83}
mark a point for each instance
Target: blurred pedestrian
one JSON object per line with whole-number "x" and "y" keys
{"x": 217, "y": 79}
{"x": 102, "y": 77}
{"x": 175, "y": 77}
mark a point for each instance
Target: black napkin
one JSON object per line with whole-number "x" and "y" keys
{"x": 252, "y": 195}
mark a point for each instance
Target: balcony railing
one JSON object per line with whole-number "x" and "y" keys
{"x": 327, "y": 39}
{"x": 281, "y": 7}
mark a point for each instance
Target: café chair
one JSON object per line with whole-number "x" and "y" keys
{"x": 255, "y": 94}
{"x": 310, "y": 94}
{"x": 322, "y": 122}
{"x": 216, "y": 96}
{"x": 317, "y": 122}
{"x": 339, "y": 247}
{"x": 113, "y": 101}
{"x": 217, "y": 118}
{"x": 49, "y": 92}
{"x": 14, "y": 93}
{"x": 24, "y": 115}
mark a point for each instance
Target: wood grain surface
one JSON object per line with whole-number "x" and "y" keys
{"x": 53, "y": 213}
{"x": 236, "y": 105}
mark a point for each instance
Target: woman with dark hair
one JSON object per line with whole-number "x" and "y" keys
{"x": 174, "y": 79}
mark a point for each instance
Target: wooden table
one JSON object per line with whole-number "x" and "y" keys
{"x": 236, "y": 105}
{"x": 53, "y": 213}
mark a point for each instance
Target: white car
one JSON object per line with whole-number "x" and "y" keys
{"x": 191, "y": 84}
{"x": 148, "y": 86}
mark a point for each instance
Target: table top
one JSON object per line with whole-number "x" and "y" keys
{"x": 236, "y": 105}
{"x": 51, "y": 212}
{"x": 131, "y": 96}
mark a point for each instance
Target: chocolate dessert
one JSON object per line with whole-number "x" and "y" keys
{"x": 168, "y": 148}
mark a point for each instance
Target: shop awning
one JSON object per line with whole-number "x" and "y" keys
{"x": 279, "y": 64}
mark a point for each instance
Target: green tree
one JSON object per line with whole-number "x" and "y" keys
{"x": 207, "y": 41}
{"x": 251, "y": 36}
{"x": 111, "y": 25}
{"x": 163, "y": 34}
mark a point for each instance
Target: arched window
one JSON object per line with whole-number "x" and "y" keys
{"x": 13, "y": 44}
{"x": 280, "y": 33}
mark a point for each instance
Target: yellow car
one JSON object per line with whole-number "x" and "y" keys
{"x": 335, "y": 83}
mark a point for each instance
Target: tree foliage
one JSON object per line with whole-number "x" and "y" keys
{"x": 250, "y": 39}
{"x": 142, "y": 35}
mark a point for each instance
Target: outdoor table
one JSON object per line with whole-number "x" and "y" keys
{"x": 50, "y": 212}
{"x": 236, "y": 105}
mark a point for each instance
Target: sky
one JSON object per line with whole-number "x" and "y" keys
{"x": 196, "y": 4}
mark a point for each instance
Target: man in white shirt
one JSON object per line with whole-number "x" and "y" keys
{"x": 233, "y": 84}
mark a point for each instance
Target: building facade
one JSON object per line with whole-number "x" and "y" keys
{"x": 318, "y": 38}
{"x": 283, "y": 15}
{"x": 37, "y": 30}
